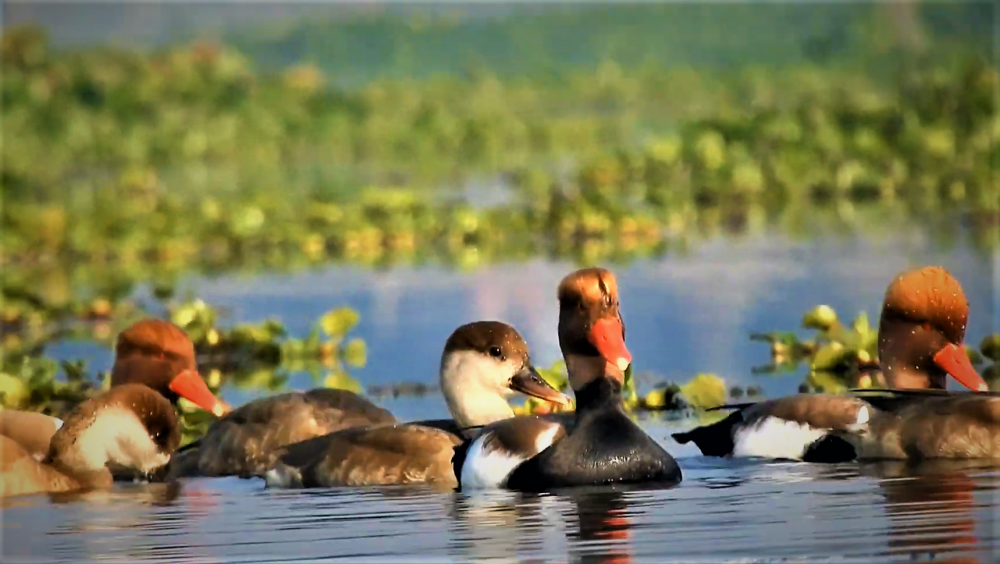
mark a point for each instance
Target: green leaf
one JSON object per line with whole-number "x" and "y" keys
{"x": 830, "y": 357}
{"x": 12, "y": 390}
{"x": 356, "y": 353}
{"x": 338, "y": 322}
{"x": 826, "y": 381}
{"x": 704, "y": 391}
{"x": 340, "y": 380}
{"x": 990, "y": 347}
{"x": 822, "y": 318}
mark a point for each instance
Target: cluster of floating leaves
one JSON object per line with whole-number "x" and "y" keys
{"x": 700, "y": 392}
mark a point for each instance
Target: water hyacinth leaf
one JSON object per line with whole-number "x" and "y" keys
{"x": 826, "y": 382}
{"x": 704, "y": 391}
{"x": 12, "y": 390}
{"x": 821, "y": 318}
{"x": 974, "y": 356}
{"x": 356, "y": 353}
{"x": 340, "y": 380}
{"x": 338, "y": 322}
{"x": 831, "y": 357}
{"x": 555, "y": 375}
{"x": 990, "y": 347}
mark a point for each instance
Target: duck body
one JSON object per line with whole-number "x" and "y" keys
{"x": 603, "y": 447}
{"x": 796, "y": 427}
{"x": 410, "y": 453}
{"x": 935, "y": 426}
{"x": 482, "y": 364}
{"x": 130, "y": 426}
{"x": 921, "y": 328}
{"x": 30, "y": 430}
{"x": 245, "y": 442}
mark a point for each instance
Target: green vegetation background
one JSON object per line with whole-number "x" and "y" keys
{"x": 616, "y": 133}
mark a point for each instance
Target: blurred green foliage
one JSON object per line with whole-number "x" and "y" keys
{"x": 664, "y": 125}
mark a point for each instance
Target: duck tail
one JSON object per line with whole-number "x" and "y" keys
{"x": 715, "y": 439}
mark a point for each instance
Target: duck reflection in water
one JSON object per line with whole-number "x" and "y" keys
{"x": 932, "y": 509}
{"x": 498, "y": 525}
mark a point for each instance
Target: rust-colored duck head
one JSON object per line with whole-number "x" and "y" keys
{"x": 921, "y": 331}
{"x": 591, "y": 331}
{"x": 159, "y": 355}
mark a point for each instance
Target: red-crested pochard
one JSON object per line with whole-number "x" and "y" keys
{"x": 598, "y": 443}
{"x": 151, "y": 352}
{"x": 921, "y": 329}
{"x": 482, "y": 365}
{"x": 131, "y": 426}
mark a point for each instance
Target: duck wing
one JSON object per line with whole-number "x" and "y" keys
{"x": 243, "y": 442}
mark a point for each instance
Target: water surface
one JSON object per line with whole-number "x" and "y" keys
{"x": 685, "y": 314}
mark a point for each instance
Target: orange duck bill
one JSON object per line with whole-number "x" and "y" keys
{"x": 608, "y": 336}
{"x": 953, "y": 360}
{"x": 190, "y": 386}
{"x": 529, "y": 381}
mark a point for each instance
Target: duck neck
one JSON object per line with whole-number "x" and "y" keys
{"x": 600, "y": 393}
{"x": 467, "y": 383}
{"x": 595, "y": 381}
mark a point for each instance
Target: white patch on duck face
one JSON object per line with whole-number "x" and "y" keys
{"x": 772, "y": 437}
{"x": 116, "y": 435}
{"x": 485, "y": 469}
{"x": 475, "y": 386}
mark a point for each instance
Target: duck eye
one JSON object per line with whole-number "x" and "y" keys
{"x": 495, "y": 352}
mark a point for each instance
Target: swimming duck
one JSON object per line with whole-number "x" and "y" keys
{"x": 151, "y": 352}
{"x": 921, "y": 328}
{"x": 482, "y": 365}
{"x": 955, "y": 425}
{"x": 598, "y": 443}
{"x": 131, "y": 425}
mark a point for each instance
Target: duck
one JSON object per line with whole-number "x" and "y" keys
{"x": 927, "y": 427}
{"x": 482, "y": 365}
{"x": 921, "y": 329}
{"x": 152, "y": 352}
{"x": 131, "y": 426}
{"x": 597, "y": 444}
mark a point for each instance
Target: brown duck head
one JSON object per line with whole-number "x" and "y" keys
{"x": 921, "y": 331}
{"x": 130, "y": 425}
{"x": 591, "y": 331}
{"x": 159, "y": 355}
{"x": 484, "y": 363}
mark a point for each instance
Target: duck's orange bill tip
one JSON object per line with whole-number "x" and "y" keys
{"x": 953, "y": 360}
{"x": 609, "y": 339}
{"x": 189, "y": 385}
